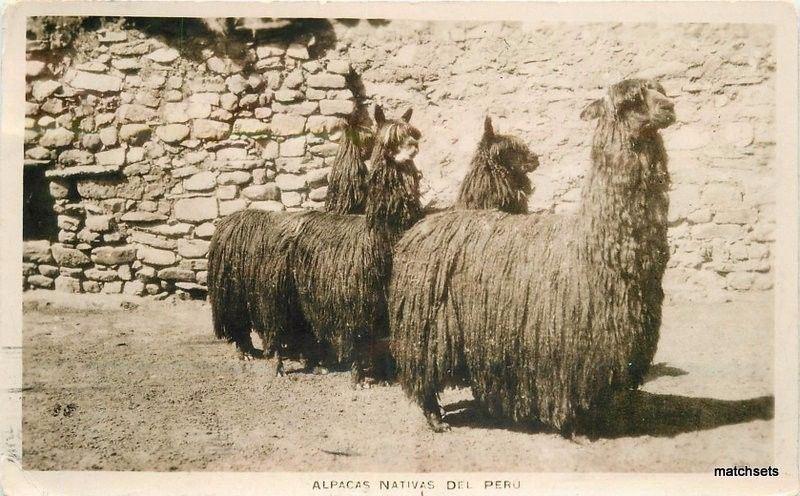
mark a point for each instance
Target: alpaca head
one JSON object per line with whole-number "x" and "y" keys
{"x": 507, "y": 150}
{"x": 640, "y": 104}
{"x": 395, "y": 140}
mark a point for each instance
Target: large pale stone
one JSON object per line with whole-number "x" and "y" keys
{"x": 134, "y": 133}
{"x": 133, "y": 288}
{"x": 172, "y": 133}
{"x": 36, "y": 251}
{"x": 114, "y": 255}
{"x": 204, "y": 230}
{"x": 96, "y": 82}
{"x": 142, "y": 217}
{"x": 318, "y": 194}
{"x": 319, "y": 124}
{"x": 298, "y": 51}
{"x": 293, "y": 147}
{"x": 291, "y": 199}
{"x": 234, "y": 177}
{"x": 152, "y": 240}
{"x": 40, "y": 281}
{"x": 339, "y": 67}
{"x": 250, "y": 126}
{"x": 65, "y": 284}
{"x": 175, "y": 112}
{"x": 180, "y": 229}
{"x": 231, "y": 153}
{"x": 57, "y": 138}
{"x": 236, "y": 84}
{"x": 98, "y": 223}
{"x": 203, "y": 181}
{"x": 111, "y": 157}
{"x": 196, "y": 209}
{"x": 155, "y": 256}
{"x": 208, "y": 129}
{"x": 68, "y": 222}
{"x": 34, "y": 68}
{"x": 192, "y": 248}
{"x": 229, "y": 207}
{"x": 176, "y": 274}
{"x": 267, "y": 51}
{"x": 69, "y": 257}
{"x": 126, "y": 64}
{"x": 287, "y": 124}
{"x": 134, "y": 112}
{"x": 228, "y": 101}
{"x": 262, "y": 192}
{"x": 108, "y": 136}
{"x": 336, "y": 107}
{"x": 290, "y": 182}
{"x": 44, "y": 89}
{"x": 100, "y": 275}
{"x": 326, "y": 81}
{"x": 163, "y": 55}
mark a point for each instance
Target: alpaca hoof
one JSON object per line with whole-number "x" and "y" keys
{"x": 436, "y": 423}
{"x": 319, "y": 370}
{"x": 279, "y": 371}
{"x": 249, "y": 355}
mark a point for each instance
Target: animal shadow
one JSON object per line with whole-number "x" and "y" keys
{"x": 636, "y": 413}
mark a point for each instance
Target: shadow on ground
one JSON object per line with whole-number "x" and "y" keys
{"x": 638, "y": 414}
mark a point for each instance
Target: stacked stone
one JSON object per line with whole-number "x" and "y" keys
{"x": 150, "y": 148}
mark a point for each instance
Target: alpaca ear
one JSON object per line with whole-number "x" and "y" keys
{"x": 594, "y": 110}
{"x": 380, "y": 117}
{"x": 407, "y": 116}
{"x": 488, "y": 130}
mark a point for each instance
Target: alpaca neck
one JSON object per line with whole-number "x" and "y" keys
{"x": 392, "y": 204}
{"x": 623, "y": 216}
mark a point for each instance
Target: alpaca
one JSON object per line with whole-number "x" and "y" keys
{"x": 306, "y": 280}
{"x": 545, "y": 317}
{"x": 347, "y": 181}
{"x": 497, "y": 178}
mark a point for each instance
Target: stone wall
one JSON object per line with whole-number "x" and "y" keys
{"x": 152, "y": 141}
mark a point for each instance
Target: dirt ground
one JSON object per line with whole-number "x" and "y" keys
{"x": 111, "y": 383}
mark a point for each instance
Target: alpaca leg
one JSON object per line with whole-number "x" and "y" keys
{"x": 245, "y": 348}
{"x": 314, "y": 353}
{"x": 433, "y": 413}
{"x": 356, "y": 374}
{"x": 273, "y": 351}
{"x": 279, "y": 371}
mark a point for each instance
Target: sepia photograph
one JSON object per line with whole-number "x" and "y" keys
{"x": 354, "y": 245}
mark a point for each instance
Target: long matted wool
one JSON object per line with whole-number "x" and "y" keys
{"x": 545, "y": 317}
{"x": 347, "y": 181}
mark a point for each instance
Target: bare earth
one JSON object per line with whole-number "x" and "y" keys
{"x": 132, "y": 384}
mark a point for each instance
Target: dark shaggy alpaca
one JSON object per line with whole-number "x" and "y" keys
{"x": 347, "y": 181}
{"x": 545, "y": 317}
{"x": 303, "y": 280}
{"x": 497, "y": 178}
